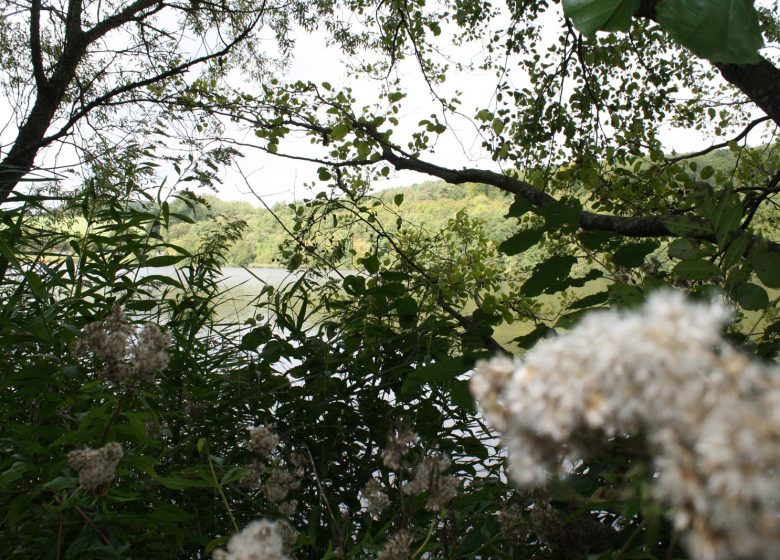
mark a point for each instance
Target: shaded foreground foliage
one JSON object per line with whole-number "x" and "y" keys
{"x": 334, "y": 368}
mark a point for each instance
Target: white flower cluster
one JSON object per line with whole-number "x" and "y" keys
{"x": 95, "y": 466}
{"x": 267, "y": 473}
{"x": 429, "y": 477}
{"x": 398, "y": 445}
{"x": 397, "y": 547}
{"x": 376, "y": 499}
{"x": 126, "y": 354}
{"x": 712, "y": 416}
{"x": 260, "y": 540}
{"x": 262, "y": 440}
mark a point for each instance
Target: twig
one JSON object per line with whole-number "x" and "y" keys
{"x": 218, "y": 486}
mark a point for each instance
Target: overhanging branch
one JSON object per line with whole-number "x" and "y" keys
{"x": 628, "y": 226}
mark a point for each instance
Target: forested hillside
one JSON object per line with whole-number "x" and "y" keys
{"x": 429, "y": 206}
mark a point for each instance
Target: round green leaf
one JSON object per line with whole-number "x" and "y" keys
{"x": 590, "y": 16}
{"x": 719, "y": 30}
{"x": 751, "y": 297}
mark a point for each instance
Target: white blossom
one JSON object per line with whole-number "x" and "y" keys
{"x": 711, "y": 416}
{"x": 260, "y": 540}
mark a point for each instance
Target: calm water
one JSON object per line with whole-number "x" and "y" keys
{"x": 244, "y": 285}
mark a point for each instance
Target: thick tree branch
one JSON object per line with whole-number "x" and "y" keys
{"x": 130, "y": 13}
{"x": 628, "y": 226}
{"x": 73, "y": 21}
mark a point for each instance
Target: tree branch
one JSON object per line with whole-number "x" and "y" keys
{"x": 714, "y": 147}
{"x": 176, "y": 70}
{"x": 628, "y": 226}
{"x": 35, "y": 46}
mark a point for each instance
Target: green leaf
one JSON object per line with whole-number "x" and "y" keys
{"x": 498, "y": 125}
{"x": 687, "y": 226}
{"x": 632, "y": 255}
{"x": 564, "y": 214}
{"x": 590, "y": 300}
{"x": 625, "y": 295}
{"x": 371, "y": 263}
{"x": 766, "y": 264}
{"x": 398, "y": 199}
{"x": 726, "y": 216}
{"x": 354, "y": 285}
{"x": 684, "y": 249}
{"x": 521, "y": 242}
{"x": 527, "y": 340}
{"x": 164, "y": 260}
{"x": 596, "y": 240}
{"x": 461, "y": 395}
{"x": 61, "y": 483}
{"x": 407, "y": 311}
{"x": 719, "y": 30}
{"x": 751, "y": 297}
{"x": 254, "y": 338}
{"x": 484, "y": 115}
{"x": 547, "y": 274}
{"x": 436, "y": 372}
{"x": 696, "y": 269}
{"x": 340, "y": 131}
{"x": 736, "y": 249}
{"x": 590, "y": 16}
{"x": 519, "y": 207}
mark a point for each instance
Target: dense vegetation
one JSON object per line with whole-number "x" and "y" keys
{"x": 344, "y": 418}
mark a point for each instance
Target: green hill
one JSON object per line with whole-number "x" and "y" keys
{"x": 428, "y": 205}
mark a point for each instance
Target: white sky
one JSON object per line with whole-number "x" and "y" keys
{"x": 277, "y": 178}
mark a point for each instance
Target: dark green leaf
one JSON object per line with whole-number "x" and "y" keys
{"x": 526, "y": 341}
{"x": 436, "y": 372}
{"x": 371, "y": 263}
{"x": 521, "y": 241}
{"x": 164, "y": 260}
{"x": 766, "y": 264}
{"x": 633, "y": 255}
{"x": 519, "y": 207}
{"x": 625, "y": 295}
{"x": 684, "y": 249}
{"x": 590, "y": 300}
{"x": 688, "y": 226}
{"x": 590, "y": 16}
{"x": 719, "y": 30}
{"x": 696, "y": 269}
{"x": 751, "y": 297}
{"x": 547, "y": 275}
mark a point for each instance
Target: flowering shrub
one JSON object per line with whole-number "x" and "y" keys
{"x": 710, "y": 415}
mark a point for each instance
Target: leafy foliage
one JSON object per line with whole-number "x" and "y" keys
{"x": 391, "y": 297}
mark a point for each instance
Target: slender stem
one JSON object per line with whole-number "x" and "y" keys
{"x": 91, "y": 523}
{"x": 630, "y": 540}
{"x": 59, "y": 538}
{"x": 118, "y": 410}
{"x": 218, "y": 486}
{"x": 427, "y": 537}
